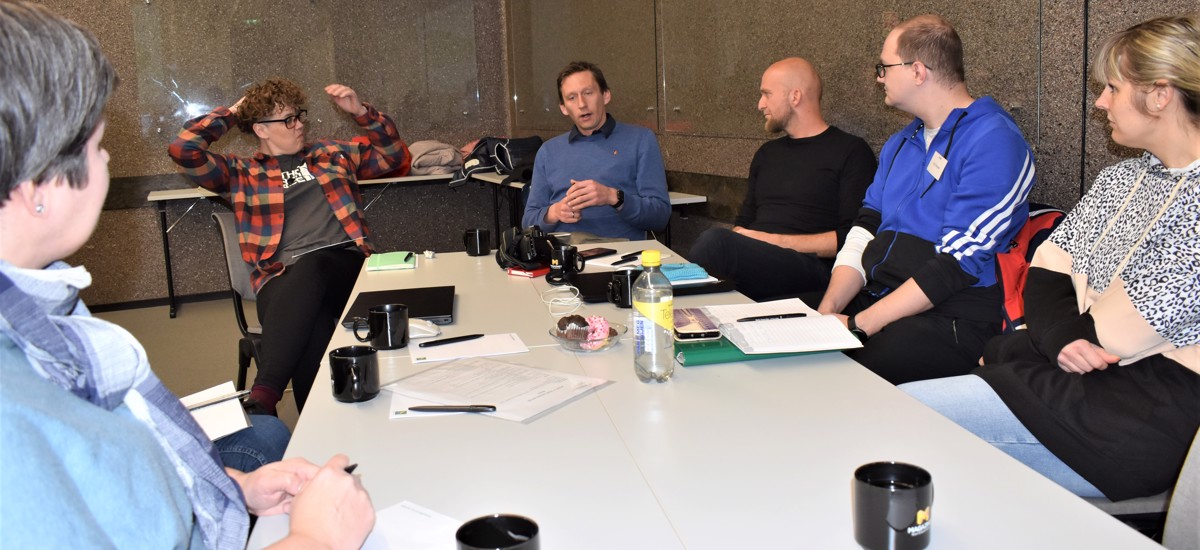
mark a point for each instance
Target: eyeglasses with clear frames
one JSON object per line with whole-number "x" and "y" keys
{"x": 881, "y": 69}
{"x": 289, "y": 122}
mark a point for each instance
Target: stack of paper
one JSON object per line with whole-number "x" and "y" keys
{"x": 519, "y": 393}
{"x": 222, "y": 417}
{"x": 812, "y": 332}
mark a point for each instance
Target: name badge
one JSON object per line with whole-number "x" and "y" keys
{"x": 936, "y": 165}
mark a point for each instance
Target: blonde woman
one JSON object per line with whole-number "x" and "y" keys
{"x": 1102, "y": 392}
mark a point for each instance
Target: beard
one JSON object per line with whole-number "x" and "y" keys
{"x": 775, "y": 125}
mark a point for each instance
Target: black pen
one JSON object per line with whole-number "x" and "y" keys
{"x": 776, "y": 316}
{"x": 350, "y": 469}
{"x": 626, "y": 258}
{"x": 445, "y": 341}
{"x": 454, "y": 408}
{"x": 408, "y": 257}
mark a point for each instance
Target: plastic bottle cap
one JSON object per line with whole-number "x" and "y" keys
{"x": 651, "y": 258}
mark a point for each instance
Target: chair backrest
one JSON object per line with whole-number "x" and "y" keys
{"x": 1182, "y": 531}
{"x": 239, "y": 271}
{"x": 1012, "y": 265}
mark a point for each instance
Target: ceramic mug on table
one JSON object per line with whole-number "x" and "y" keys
{"x": 476, "y": 241}
{"x": 387, "y": 326}
{"x": 498, "y": 532}
{"x": 354, "y": 371}
{"x": 893, "y": 506}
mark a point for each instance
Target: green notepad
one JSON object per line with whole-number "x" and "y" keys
{"x": 392, "y": 260}
{"x": 694, "y": 354}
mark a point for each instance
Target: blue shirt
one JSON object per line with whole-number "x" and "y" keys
{"x": 618, "y": 155}
{"x": 75, "y": 475}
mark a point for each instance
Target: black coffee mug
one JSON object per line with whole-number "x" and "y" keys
{"x": 355, "y": 373}
{"x": 498, "y": 532}
{"x": 476, "y": 242}
{"x": 620, "y": 288}
{"x": 564, "y": 262}
{"x": 387, "y": 326}
{"x": 893, "y": 506}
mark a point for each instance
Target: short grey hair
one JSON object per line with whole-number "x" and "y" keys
{"x": 54, "y": 83}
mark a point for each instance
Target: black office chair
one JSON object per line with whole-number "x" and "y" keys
{"x": 250, "y": 346}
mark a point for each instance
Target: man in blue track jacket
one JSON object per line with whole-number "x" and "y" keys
{"x": 916, "y": 278}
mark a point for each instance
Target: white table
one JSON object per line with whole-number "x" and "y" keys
{"x": 740, "y": 455}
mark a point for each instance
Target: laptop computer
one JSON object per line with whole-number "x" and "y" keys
{"x": 434, "y": 303}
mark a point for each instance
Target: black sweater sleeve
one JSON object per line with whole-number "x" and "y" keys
{"x": 1051, "y": 312}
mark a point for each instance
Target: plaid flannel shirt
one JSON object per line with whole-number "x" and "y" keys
{"x": 254, "y": 186}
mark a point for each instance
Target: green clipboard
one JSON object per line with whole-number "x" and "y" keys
{"x": 711, "y": 352}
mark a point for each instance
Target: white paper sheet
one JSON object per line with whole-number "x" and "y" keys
{"x": 608, "y": 261}
{"x": 490, "y": 344}
{"x": 731, "y": 313}
{"x": 519, "y": 393}
{"x": 220, "y": 419}
{"x": 407, "y": 526}
{"x": 819, "y": 333}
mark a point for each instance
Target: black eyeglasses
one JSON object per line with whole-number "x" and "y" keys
{"x": 289, "y": 122}
{"x": 880, "y": 69}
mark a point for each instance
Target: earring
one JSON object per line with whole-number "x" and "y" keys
{"x": 39, "y": 209}
{"x": 1158, "y": 106}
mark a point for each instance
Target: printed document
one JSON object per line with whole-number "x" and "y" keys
{"x": 519, "y": 393}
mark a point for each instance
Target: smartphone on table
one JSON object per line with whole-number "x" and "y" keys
{"x": 692, "y": 324}
{"x": 597, "y": 253}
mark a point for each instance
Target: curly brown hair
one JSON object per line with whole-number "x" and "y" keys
{"x": 266, "y": 97}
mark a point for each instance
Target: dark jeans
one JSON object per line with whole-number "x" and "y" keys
{"x": 921, "y": 347}
{"x": 298, "y": 311}
{"x": 761, "y": 270}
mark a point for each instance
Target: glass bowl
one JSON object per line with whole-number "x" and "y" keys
{"x": 588, "y": 346}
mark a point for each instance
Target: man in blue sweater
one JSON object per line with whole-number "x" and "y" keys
{"x": 602, "y": 177}
{"x": 916, "y": 278}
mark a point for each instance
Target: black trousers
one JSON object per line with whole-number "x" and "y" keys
{"x": 761, "y": 270}
{"x": 298, "y": 311}
{"x": 921, "y": 347}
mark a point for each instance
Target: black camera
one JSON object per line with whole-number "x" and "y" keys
{"x": 620, "y": 288}
{"x": 527, "y": 248}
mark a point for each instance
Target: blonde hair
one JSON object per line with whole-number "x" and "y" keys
{"x": 1163, "y": 49}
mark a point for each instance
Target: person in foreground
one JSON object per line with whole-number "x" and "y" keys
{"x": 804, "y": 192}
{"x": 916, "y": 279}
{"x": 1102, "y": 392}
{"x": 96, "y": 451}
{"x": 299, "y": 217}
{"x": 603, "y": 177}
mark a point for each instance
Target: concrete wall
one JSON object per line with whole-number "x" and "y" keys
{"x": 443, "y": 69}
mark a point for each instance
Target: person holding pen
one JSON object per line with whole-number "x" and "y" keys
{"x": 96, "y": 451}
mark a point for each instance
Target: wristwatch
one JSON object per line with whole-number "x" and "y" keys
{"x": 857, "y": 332}
{"x": 620, "y": 199}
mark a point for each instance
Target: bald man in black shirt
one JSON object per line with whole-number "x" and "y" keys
{"x": 804, "y": 191}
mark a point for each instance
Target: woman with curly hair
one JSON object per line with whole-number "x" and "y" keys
{"x": 299, "y": 216}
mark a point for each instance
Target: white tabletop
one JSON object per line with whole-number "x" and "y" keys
{"x": 740, "y": 455}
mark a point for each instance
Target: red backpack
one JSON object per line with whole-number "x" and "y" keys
{"x": 1012, "y": 265}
